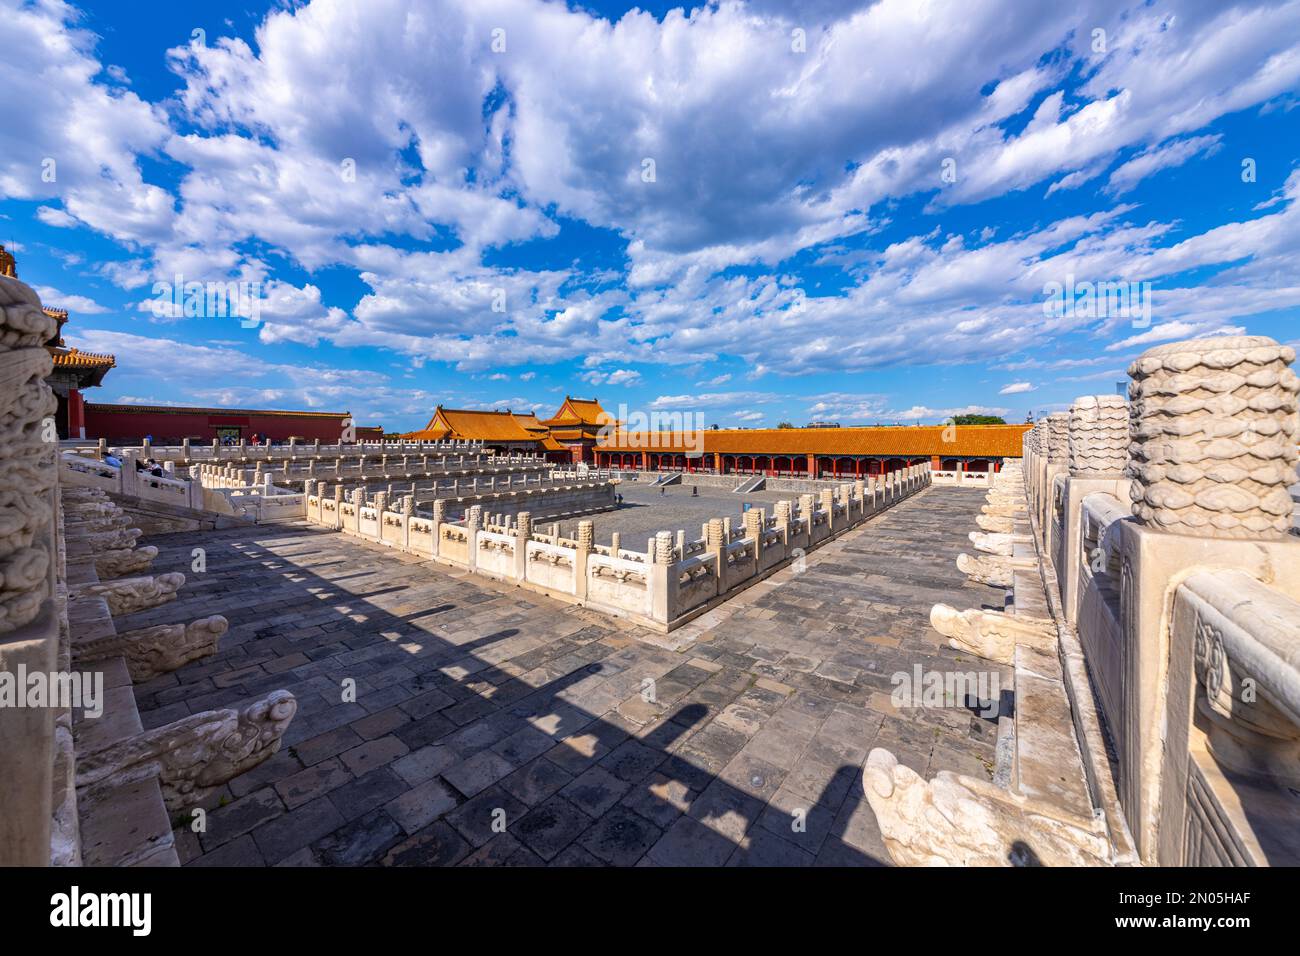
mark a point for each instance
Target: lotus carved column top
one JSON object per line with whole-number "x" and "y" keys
{"x": 1058, "y": 437}
{"x": 1099, "y": 436}
{"x": 1214, "y": 428}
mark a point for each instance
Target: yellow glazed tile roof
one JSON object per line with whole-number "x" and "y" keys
{"x": 476, "y": 425}
{"x": 578, "y": 411}
{"x": 992, "y": 441}
{"x": 75, "y": 358}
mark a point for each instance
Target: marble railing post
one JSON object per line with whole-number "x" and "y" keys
{"x": 806, "y": 508}
{"x": 1057, "y": 464}
{"x": 439, "y": 519}
{"x": 663, "y": 583}
{"x": 310, "y": 490}
{"x": 586, "y": 544}
{"x": 338, "y": 505}
{"x": 1213, "y": 425}
{"x": 1098, "y": 445}
{"x": 473, "y": 522}
{"x": 782, "y": 512}
{"x": 715, "y": 543}
{"x": 30, "y": 738}
{"x": 828, "y": 505}
{"x": 755, "y": 523}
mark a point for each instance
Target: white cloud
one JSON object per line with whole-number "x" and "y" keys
{"x": 70, "y": 138}
{"x": 220, "y": 375}
{"x": 416, "y": 171}
{"x": 919, "y": 413}
{"x": 78, "y": 304}
{"x": 1147, "y": 163}
{"x": 1169, "y": 331}
{"x": 1016, "y": 388}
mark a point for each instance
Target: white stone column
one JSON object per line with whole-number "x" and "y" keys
{"x": 1214, "y": 427}
{"x": 1098, "y": 443}
{"x": 29, "y": 617}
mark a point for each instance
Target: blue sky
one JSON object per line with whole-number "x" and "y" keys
{"x": 760, "y": 211}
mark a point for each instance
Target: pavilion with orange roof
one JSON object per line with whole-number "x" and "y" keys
{"x": 582, "y": 431}
{"x": 578, "y": 425}
{"x": 499, "y": 430}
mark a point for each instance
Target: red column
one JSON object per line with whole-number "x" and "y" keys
{"x": 76, "y": 414}
{"x": 812, "y": 466}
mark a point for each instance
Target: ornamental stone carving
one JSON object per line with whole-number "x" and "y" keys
{"x": 995, "y": 524}
{"x": 990, "y": 634}
{"x": 128, "y": 595}
{"x": 1099, "y": 436}
{"x": 117, "y": 540}
{"x": 151, "y": 651}
{"x": 122, "y": 561}
{"x": 195, "y": 755}
{"x": 27, "y": 468}
{"x": 988, "y": 569}
{"x": 1058, "y": 437}
{"x": 1214, "y": 430}
{"x": 1001, "y": 544}
{"x": 955, "y": 820}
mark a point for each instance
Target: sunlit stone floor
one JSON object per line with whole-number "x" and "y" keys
{"x": 495, "y": 726}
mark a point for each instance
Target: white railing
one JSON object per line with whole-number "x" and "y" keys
{"x": 662, "y": 587}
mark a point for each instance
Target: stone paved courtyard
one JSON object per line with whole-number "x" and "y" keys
{"x": 647, "y": 510}
{"x": 496, "y": 726}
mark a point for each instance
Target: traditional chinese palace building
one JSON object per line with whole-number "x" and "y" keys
{"x": 815, "y": 452}
{"x": 578, "y": 425}
{"x": 503, "y": 431}
{"x": 582, "y": 431}
{"x": 127, "y": 424}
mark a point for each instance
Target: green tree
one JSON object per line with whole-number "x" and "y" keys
{"x": 785, "y": 425}
{"x": 978, "y": 420}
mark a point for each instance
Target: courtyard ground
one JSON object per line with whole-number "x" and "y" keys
{"x": 495, "y": 726}
{"x": 646, "y": 510}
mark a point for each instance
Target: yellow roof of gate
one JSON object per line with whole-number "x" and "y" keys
{"x": 992, "y": 441}
{"x": 478, "y": 425}
{"x": 579, "y": 411}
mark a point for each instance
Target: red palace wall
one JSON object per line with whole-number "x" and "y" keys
{"x": 121, "y": 425}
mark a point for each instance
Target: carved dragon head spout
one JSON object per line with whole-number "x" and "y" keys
{"x": 255, "y": 737}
